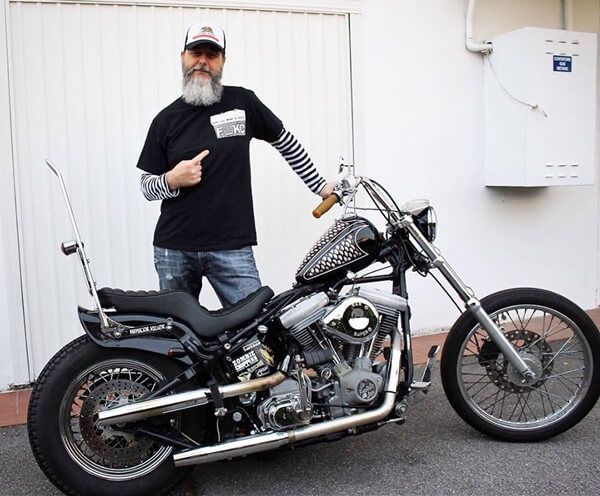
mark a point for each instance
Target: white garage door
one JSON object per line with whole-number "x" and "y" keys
{"x": 87, "y": 79}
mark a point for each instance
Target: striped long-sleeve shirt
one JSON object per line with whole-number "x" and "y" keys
{"x": 155, "y": 187}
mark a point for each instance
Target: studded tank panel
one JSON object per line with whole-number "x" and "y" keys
{"x": 339, "y": 249}
{"x": 336, "y": 228}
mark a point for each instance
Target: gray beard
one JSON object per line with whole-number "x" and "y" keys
{"x": 200, "y": 91}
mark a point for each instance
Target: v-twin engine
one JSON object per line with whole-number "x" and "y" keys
{"x": 340, "y": 340}
{"x": 274, "y": 439}
{"x": 360, "y": 319}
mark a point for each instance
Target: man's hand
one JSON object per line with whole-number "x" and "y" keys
{"x": 327, "y": 190}
{"x": 186, "y": 172}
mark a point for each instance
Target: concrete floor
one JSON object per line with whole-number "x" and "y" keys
{"x": 433, "y": 453}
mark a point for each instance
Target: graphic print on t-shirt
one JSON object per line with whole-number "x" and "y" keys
{"x": 227, "y": 124}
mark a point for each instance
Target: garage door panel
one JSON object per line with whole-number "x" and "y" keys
{"x": 87, "y": 79}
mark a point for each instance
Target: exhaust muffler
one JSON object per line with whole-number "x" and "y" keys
{"x": 181, "y": 401}
{"x": 272, "y": 440}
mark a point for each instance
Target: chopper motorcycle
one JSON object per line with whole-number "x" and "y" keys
{"x": 158, "y": 384}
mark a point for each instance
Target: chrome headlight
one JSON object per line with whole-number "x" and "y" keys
{"x": 426, "y": 221}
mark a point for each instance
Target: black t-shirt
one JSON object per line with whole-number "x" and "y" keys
{"x": 217, "y": 213}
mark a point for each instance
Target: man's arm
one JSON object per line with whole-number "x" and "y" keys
{"x": 156, "y": 187}
{"x": 296, "y": 156}
{"x": 185, "y": 173}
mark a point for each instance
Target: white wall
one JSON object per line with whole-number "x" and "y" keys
{"x": 583, "y": 15}
{"x": 13, "y": 356}
{"x": 423, "y": 115}
{"x": 494, "y": 17}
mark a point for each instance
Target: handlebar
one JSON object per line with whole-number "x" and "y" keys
{"x": 325, "y": 205}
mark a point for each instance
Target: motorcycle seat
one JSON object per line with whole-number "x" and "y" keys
{"x": 184, "y": 307}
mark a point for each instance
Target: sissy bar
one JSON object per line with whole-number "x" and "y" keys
{"x": 70, "y": 247}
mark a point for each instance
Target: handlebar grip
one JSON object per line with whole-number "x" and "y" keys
{"x": 325, "y": 205}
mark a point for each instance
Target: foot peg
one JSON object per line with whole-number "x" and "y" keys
{"x": 433, "y": 351}
{"x": 420, "y": 388}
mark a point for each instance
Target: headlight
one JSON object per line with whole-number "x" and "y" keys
{"x": 426, "y": 221}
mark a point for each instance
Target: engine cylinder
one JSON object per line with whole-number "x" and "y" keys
{"x": 386, "y": 325}
{"x": 300, "y": 316}
{"x": 305, "y": 312}
{"x": 385, "y": 302}
{"x": 389, "y": 307}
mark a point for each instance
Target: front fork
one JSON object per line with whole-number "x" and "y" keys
{"x": 472, "y": 304}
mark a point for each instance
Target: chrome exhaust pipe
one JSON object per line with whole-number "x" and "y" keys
{"x": 181, "y": 401}
{"x": 272, "y": 440}
{"x": 240, "y": 447}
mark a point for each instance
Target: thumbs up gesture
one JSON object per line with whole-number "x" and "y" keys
{"x": 187, "y": 172}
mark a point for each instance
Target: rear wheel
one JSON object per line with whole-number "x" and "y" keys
{"x": 79, "y": 456}
{"x": 553, "y": 336}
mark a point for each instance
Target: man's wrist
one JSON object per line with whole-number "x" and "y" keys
{"x": 171, "y": 181}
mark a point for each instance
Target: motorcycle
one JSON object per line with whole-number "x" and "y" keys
{"x": 158, "y": 384}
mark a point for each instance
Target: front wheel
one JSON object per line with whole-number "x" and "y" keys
{"x": 554, "y": 337}
{"x": 85, "y": 459}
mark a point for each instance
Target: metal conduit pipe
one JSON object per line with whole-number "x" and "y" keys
{"x": 567, "y": 14}
{"x": 272, "y": 440}
{"x": 470, "y": 43}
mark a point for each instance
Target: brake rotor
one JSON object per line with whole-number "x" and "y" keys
{"x": 118, "y": 448}
{"x": 533, "y": 350}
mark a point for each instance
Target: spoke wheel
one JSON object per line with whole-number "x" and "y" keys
{"x": 107, "y": 451}
{"x": 82, "y": 458}
{"x": 555, "y": 338}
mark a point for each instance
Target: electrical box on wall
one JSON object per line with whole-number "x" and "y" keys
{"x": 540, "y": 108}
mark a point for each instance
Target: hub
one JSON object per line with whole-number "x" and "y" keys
{"x": 532, "y": 348}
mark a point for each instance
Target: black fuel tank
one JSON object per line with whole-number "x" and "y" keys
{"x": 349, "y": 244}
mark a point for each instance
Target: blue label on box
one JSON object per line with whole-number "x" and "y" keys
{"x": 562, "y": 63}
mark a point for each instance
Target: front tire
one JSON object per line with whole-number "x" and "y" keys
{"x": 82, "y": 458}
{"x": 555, "y": 337}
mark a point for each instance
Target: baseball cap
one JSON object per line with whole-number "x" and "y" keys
{"x": 204, "y": 32}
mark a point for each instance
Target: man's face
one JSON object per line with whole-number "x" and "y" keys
{"x": 203, "y": 61}
{"x": 202, "y": 69}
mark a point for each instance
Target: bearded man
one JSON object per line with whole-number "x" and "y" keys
{"x": 196, "y": 160}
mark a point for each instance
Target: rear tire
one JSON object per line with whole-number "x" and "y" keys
{"x": 83, "y": 459}
{"x": 555, "y": 337}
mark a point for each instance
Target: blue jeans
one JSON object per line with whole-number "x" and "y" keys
{"x": 231, "y": 273}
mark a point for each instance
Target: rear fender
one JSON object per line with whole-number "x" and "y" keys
{"x": 161, "y": 345}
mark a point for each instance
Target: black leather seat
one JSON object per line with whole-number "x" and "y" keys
{"x": 184, "y": 307}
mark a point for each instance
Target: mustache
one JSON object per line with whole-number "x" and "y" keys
{"x": 191, "y": 70}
